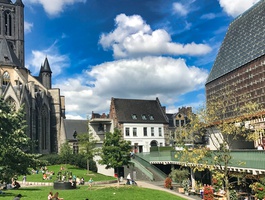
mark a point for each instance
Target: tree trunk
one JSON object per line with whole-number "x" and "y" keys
{"x": 227, "y": 187}
{"x": 87, "y": 165}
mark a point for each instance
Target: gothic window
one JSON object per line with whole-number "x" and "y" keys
{"x": 44, "y": 126}
{"x": 6, "y": 78}
{"x": 8, "y": 23}
{"x": 11, "y": 102}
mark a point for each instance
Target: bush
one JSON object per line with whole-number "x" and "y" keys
{"x": 52, "y": 159}
{"x": 168, "y": 183}
{"x": 78, "y": 160}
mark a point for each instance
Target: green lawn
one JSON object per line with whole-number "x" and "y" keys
{"x": 95, "y": 193}
{"x": 75, "y": 171}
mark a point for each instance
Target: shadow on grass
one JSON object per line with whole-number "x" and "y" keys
{"x": 28, "y": 189}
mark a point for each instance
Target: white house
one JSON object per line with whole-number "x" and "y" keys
{"x": 142, "y": 122}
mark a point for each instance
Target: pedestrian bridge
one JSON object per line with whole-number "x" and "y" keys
{"x": 250, "y": 161}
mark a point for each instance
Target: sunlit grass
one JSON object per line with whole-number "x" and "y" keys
{"x": 95, "y": 193}
{"x": 75, "y": 171}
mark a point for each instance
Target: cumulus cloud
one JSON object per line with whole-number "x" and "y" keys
{"x": 236, "y": 7}
{"x": 56, "y": 60}
{"x": 146, "y": 78}
{"x": 27, "y": 27}
{"x": 54, "y": 7}
{"x": 133, "y": 38}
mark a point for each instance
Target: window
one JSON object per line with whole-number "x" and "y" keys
{"x": 151, "y": 117}
{"x": 134, "y": 131}
{"x": 8, "y": 23}
{"x": 144, "y": 117}
{"x": 152, "y": 131}
{"x": 134, "y": 116}
{"x": 145, "y": 131}
{"x": 6, "y": 78}
{"x": 127, "y": 131}
{"x": 160, "y": 131}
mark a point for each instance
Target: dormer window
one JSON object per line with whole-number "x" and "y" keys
{"x": 151, "y": 117}
{"x": 6, "y": 78}
{"x": 144, "y": 117}
{"x": 134, "y": 116}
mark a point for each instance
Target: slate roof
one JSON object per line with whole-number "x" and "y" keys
{"x": 125, "y": 108}
{"x": 46, "y": 67}
{"x": 70, "y": 125}
{"x": 6, "y": 1}
{"x": 244, "y": 42}
{"x": 7, "y": 55}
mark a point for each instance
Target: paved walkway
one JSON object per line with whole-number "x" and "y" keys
{"x": 159, "y": 186}
{"x": 144, "y": 184}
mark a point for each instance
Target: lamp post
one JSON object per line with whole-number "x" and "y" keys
{"x": 75, "y": 143}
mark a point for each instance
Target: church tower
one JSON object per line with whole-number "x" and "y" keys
{"x": 12, "y": 26}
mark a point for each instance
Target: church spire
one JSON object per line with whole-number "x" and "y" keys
{"x": 46, "y": 74}
{"x": 19, "y": 3}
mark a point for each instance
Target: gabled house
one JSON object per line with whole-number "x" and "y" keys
{"x": 142, "y": 122}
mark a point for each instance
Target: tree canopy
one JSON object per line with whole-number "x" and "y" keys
{"x": 115, "y": 151}
{"x": 14, "y": 159}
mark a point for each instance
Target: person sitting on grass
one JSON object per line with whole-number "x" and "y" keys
{"x": 50, "y": 196}
{"x": 56, "y": 196}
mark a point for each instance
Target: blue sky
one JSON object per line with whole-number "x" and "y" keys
{"x": 140, "y": 49}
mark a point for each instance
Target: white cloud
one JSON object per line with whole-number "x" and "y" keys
{"x": 133, "y": 38}
{"x": 180, "y": 9}
{"x": 236, "y": 7}
{"x": 27, "y": 27}
{"x": 145, "y": 78}
{"x": 54, "y": 7}
{"x": 208, "y": 16}
{"x": 57, "y": 61}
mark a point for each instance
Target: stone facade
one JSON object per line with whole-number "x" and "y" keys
{"x": 43, "y": 105}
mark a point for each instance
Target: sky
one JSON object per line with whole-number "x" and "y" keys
{"x": 136, "y": 49}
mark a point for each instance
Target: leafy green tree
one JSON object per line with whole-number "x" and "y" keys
{"x": 14, "y": 159}
{"x": 115, "y": 151}
{"x": 88, "y": 148}
{"x": 66, "y": 152}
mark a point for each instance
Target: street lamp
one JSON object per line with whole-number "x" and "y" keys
{"x": 75, "y": 143}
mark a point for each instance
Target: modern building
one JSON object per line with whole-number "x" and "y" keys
{"x": 142, "y": 122}
{"x": 240, "y": 62}
{"x": 44, "y": 106}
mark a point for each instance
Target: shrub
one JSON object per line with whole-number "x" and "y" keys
{"x": 208, "y": 193}
{"x": 168, "y": 183}
{"x": 52, "y": 159}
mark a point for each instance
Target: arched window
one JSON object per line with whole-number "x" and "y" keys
{"x": 44, "y": 124}
{"x": 6, "y": 78}
{"x": 8, "y": 23}
{"x": 11, "y": 102}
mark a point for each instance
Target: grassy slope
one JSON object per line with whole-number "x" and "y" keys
{"x": 75, "y": 171}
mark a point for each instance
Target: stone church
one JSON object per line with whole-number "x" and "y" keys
{"x": 44, "y": 106}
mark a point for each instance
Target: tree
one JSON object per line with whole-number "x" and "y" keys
{"x": 88, "y": 146}
{"x": 65, "y": 152}
{"x": 222, "y": 123}
{"x": 14, "y": 159}
{"x": 115, "y": 151}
